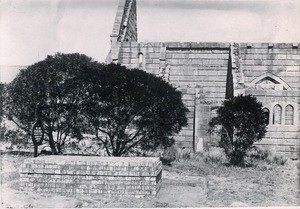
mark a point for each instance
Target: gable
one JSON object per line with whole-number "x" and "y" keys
{"x": 270, "y": 81}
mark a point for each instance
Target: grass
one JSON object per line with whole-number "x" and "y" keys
{"x": 267, "y": 183}
{"x": 273, "y": 181}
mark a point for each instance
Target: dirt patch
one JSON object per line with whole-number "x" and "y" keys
{"x": 182, "y": 191}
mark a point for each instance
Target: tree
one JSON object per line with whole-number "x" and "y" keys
{"x": 54, "y": 87}
{"x": 129, "y": 108}
{"x": 2, "y": 97}
{"x": 240, "y": 122}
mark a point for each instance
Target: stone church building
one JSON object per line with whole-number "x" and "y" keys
{"x": 207, "y": 73}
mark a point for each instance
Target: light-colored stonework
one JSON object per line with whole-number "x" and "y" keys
{"x": 92, "y": 175}
{"x": 208, "y": 73}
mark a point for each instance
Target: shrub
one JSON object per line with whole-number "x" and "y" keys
{"x": 169, "y": 155}
{"x": 277, "y": 159}
{"x": 13, "y": 137}
{"x": 215, "y": 155}
{"x": 240, "y": 122}
{"x": 257, "y": 154}
{"x": 184, "y": 154}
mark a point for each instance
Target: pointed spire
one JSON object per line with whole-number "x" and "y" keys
{"x": 125, "y": 26}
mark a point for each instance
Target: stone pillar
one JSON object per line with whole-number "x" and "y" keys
{"x": 164, "y": 69}
{"x": 201, "y": 120}
{"x": 237, "y": 72}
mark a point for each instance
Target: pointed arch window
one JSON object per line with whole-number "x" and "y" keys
{"x": 267, "y": 115}
{"x": 289, "y": 115}
{"x": 277, "y": 114}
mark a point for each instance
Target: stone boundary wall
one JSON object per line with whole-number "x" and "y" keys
{"x": 70, "y": 175}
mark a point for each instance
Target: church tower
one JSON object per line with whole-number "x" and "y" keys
{"x": 124, "y": 29}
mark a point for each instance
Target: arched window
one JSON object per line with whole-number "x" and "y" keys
{"x": 267, "y": 115}
{"x": 289, "y": 115}
{"x": 140, "y": 58}
{"x": 277, "y": 114}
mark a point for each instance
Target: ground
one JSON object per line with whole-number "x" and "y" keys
{"x": 187, "y": 183}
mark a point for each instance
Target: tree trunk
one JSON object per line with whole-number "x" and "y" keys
{"x": 35, "y": 151}
{"x": 52, "y": 144}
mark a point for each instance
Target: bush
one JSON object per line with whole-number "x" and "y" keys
{"x": 13, "y": 137}
{"x": 240, "y": 122}
{"x": 215, "y": 155}
{"x": 184, "y": 154}
{"x": 277, "y": 159}
{"x": 257, "y": 154}
{"x": 169, "y": 155}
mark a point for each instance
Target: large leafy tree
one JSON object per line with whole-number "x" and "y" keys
{"x": 54, "y": 87}
{"x": 129, "y": 108}
{"x": 240, "y": 122}
{"x": 2, "y": 96}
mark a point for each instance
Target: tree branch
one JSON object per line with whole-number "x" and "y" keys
{"x": 104, "y": 143}
{"x": 20, "y": 126}
{"x": 132, "y": 145}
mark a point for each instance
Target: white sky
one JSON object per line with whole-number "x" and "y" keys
{"x": 32, "y": 29}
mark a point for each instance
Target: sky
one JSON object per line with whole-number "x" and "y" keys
{"x": 32, "y": 29}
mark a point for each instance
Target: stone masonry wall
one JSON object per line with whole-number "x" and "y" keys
{"x": 207, "y": 73}
{"x": 271, "y": 72}
{"x": 194, "y": 68}
{"x": 280, "y": 59}
{"x": 92, "y": 175}
{"x": 280, "y": 137}
{"x": 202, "y": 68}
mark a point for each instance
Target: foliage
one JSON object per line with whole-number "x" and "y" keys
{"x": 258, "y": 153}
{"x": 184, "y": 154}
{"x": 215, "y": 155}
{"x": 129, "y": 108}
{"x": 16, "y": 137}
{"x": 169, "y": 155}
{"x": 54, "y": 86}
{"x": 2, "y": 97}
{"x": 240, "y": 122}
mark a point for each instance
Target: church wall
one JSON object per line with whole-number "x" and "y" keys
{"x": 201, "y": 69}
{"x": 280, "y": 63}
{"x": 280, "y": 59}
{"x": 280, "y": 137}
{"x": 194, "y": 68}
{"x": 207, "y": 73}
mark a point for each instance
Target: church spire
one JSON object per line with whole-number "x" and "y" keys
{"x": 125, "y": 26}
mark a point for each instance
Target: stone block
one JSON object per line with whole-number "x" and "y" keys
{"x": 109, "y": 175}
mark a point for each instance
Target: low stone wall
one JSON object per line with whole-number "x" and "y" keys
{"x": 92, "y": 175}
